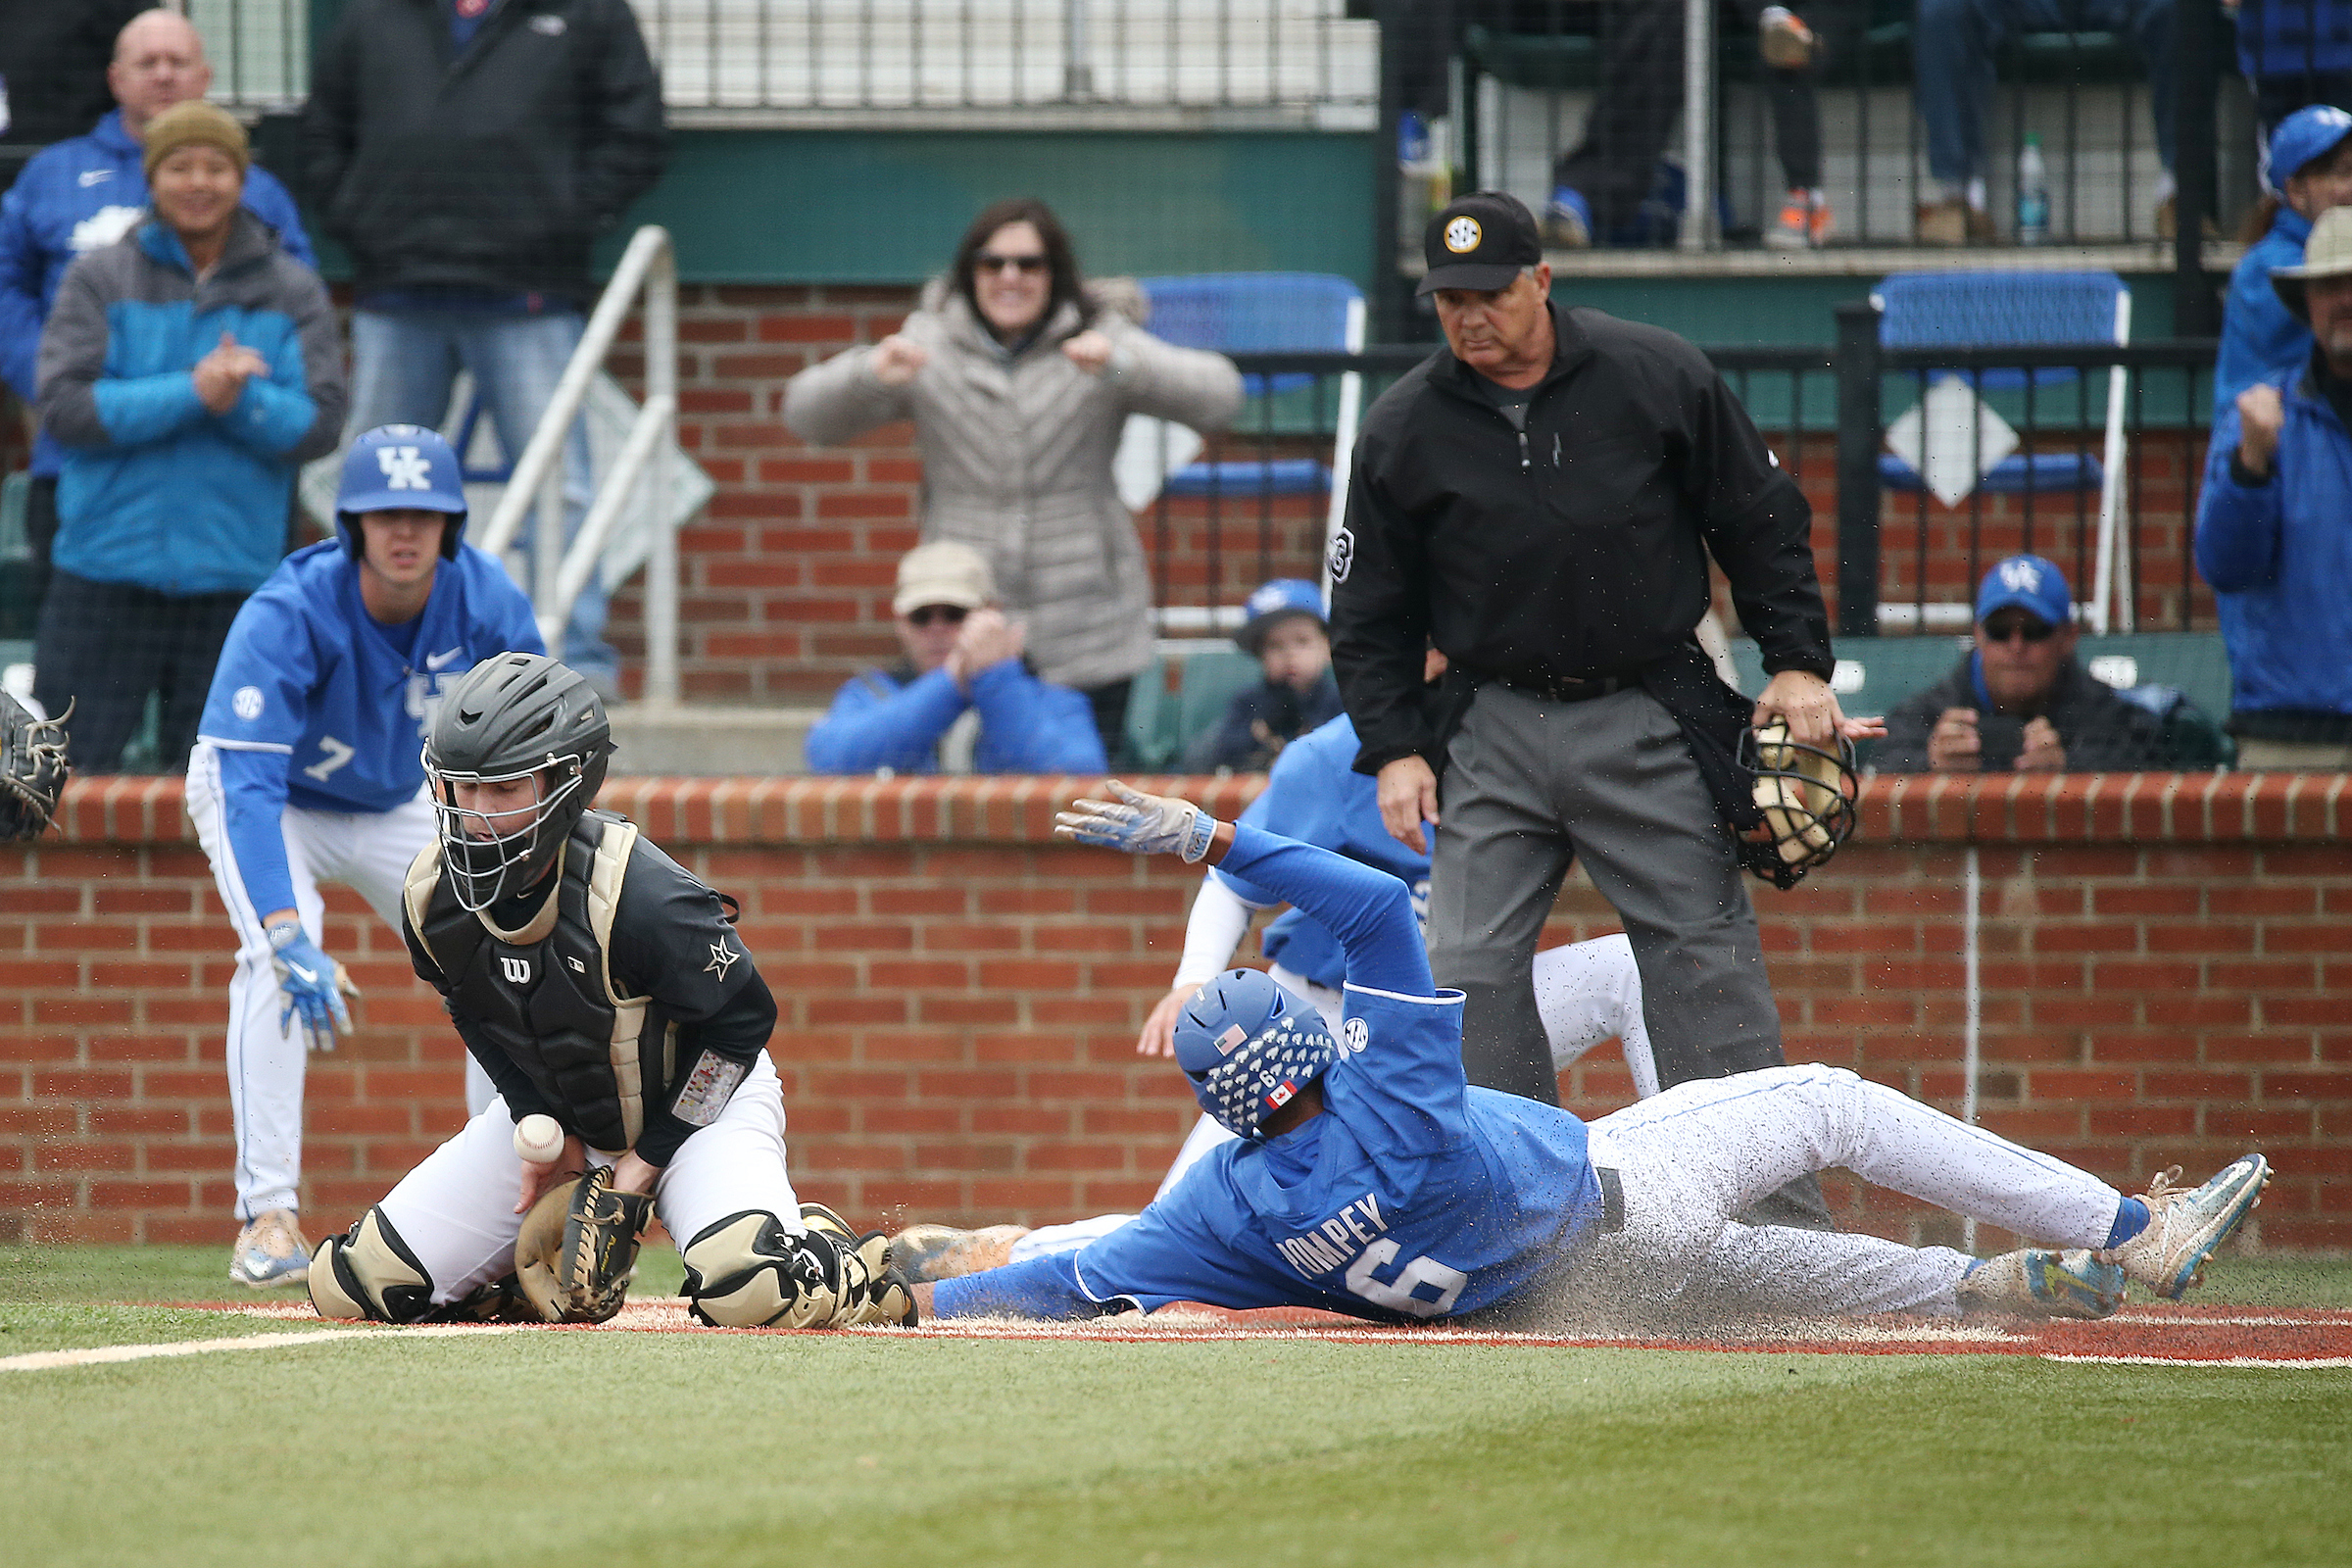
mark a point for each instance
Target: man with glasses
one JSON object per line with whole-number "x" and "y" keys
{"x": 2021, "y": 699}
{"x": 964, "y": 700}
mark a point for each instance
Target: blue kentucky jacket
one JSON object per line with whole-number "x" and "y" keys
{"x": 2280, "y": 556}
{"x": 896, "y": 719}
{"x": 156, "y": 490}
{"x": 2260, "y": 339}
{"x": 72, "y": 198}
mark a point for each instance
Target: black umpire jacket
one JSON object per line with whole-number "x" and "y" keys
{"x": 491, "y": 171}
{"x": 1578, "y": 548}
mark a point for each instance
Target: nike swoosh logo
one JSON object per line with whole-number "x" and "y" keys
{"x": 436, "y": 661}
{"x": 303, "y": 975}
{"x": 91, "y": 177}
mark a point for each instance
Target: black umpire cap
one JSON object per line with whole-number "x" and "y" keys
{"x": 1480, "y": 241}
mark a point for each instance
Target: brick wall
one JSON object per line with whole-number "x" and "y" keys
{"x": 2163, "y": 980}
{"x": 786, "y": 578}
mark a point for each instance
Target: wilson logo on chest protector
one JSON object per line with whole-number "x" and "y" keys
{"x": 519, "y": 970}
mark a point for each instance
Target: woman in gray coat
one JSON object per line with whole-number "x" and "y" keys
{"x": 1019, "y": 378}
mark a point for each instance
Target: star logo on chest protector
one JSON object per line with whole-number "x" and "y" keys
{"x": 722, "y": 958}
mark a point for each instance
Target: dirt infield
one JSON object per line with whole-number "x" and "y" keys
{"x": 2300, "y": 1337}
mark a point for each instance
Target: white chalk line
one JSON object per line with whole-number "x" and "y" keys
{"x": 2303, "y": 1364}
{"x": 108, "y": 1354}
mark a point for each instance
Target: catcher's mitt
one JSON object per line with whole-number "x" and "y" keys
{"x": 579, "y": 1247}
{"x": 32, "y": 768}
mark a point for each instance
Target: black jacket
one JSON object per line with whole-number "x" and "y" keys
{"x": 491, "y": 170}
{"x": 54, "y": 55}
{"x": 2101, "y": 732}
{"x": 1579, "y": 549}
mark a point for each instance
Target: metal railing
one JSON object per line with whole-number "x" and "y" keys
{"x": 736, "y": 58}
{"x": 649, "y": 266}
{"x": 1905, "y": 559}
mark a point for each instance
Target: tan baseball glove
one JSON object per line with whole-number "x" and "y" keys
{"x": 578, "y": 1248}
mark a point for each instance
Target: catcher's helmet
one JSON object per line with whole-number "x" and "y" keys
{"x": 1807, "y": 797}
{"x": 511, "y": 716}
{"x": 1250, "y": 1047}
{"x": 400, "y": 465}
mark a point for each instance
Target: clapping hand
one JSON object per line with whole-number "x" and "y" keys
{"x": 221, "y": 374}
{"x": 897, "y": 360}
{"x": 1090, "y": 351}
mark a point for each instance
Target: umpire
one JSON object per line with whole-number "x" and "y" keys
{"x": 1539, "y": 500}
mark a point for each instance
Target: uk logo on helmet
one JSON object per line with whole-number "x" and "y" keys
{"x": 404, "y": 468}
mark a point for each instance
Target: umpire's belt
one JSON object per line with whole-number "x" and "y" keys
{"x": 1570, "y": 688}
{"x": 1612, "y": 1197}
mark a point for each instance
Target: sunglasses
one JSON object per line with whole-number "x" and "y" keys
{"x": 935, "y": 615}
{"x": 2032, "y": 628}
{"x": 991, "y": 262}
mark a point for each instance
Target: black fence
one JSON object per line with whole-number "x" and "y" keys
{"x": 1925, "y": 466}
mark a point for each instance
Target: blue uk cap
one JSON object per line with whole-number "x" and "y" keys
{"x": 1284, "y": 596}
{"x": 2031, "y": 584}
{"x": 2304, "y": 135}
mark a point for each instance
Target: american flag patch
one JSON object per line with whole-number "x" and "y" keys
{"x": 1230, "y": 1038}
{"x": 707, "y": 1089}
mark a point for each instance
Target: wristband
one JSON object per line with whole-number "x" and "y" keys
{"x": 1197, "y": 835}
{"x": 283, "y": 935}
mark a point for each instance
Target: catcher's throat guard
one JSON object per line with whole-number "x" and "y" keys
{"x": 1806, "y": 795}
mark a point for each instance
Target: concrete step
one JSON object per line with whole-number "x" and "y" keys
{"x": 711, "y": 742}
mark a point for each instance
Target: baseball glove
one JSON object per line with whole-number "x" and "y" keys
{"x": 32, "y": 768}
{"x": 579, "y": 1247}
{"x": 872, "y": 1290}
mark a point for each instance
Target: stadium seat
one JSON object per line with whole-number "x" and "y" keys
{"x": 2058, "y": 310}
{"x": 1151, "y": 728}
{"x": 1213, "y": 671}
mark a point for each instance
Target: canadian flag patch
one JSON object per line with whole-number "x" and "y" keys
{"x": 1280, "y": 1097}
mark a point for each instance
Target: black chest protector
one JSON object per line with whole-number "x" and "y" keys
{"x": 545, "y": 994}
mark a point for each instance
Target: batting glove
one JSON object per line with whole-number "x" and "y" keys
{"x": 1139, "y": 824}
{"x": 315, "y": 986}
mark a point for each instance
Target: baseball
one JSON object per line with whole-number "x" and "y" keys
{"x": 539, "y": 1139}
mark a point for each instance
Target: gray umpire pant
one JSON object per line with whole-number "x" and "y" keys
{"x": 1532, "y": 785}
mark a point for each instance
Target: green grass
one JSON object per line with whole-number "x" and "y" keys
{"x": 624, "y": 1450}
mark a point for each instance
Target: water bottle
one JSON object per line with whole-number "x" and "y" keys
{"x": 2032, "y": 194}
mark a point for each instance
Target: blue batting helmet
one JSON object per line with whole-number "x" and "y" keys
{"x": 1250, "y": 1047}
{"x": 401, "y": 466}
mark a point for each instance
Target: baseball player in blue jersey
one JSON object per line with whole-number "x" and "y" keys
{"x": 307, "y": 769}
{"x": 1369, "y": 1178}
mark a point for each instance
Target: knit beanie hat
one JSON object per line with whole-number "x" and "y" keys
{"x": 195, "y": 123}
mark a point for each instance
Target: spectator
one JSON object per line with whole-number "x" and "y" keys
{"x": 1287, "y": 634}
{"x": 469, "y": 156}
{"x": 53, "y": 60}
{"x": 2021, "y": 699}
{"x": 2311, "y": 159}
{"x": 2270, "y": 533}
{"x": 1600, "y": 187}
{"x": 1952, "y": 58}
{"x": 964, "y": 700}
{"x": 87, "y": 192}
{"x": 189, "y": 369}
{"x": 1019, "y": 378}
{"x": 1540, "y": 499}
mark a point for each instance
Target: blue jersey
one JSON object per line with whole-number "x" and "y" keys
{"x": 1412, "y": 1196}
{"x": 1315, "y": 795}
{"x": 315, "y": 704}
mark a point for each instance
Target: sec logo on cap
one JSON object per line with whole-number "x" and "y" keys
{"x": 1463, "y": 235}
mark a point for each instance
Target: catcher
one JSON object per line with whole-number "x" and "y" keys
{"x": 604, "y": 992}
{"x": 33, "y": 770}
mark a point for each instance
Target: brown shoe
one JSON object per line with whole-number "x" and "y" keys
{"x": 933, "y": 1252}
{"x": 1954, "y": 224}
{"x": 2168, "y": 225}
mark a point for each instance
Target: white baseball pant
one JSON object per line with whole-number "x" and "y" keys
{"x": 1700, "y": 1153}
{"x": 1587, "y": 991}
{"x": 368, "y": 851}
{"x": 456, "y": 1210}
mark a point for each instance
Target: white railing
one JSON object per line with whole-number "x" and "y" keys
{"x": 649, "y": 266}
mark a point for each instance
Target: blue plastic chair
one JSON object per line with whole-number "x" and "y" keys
{"x": 2057, "y": 309}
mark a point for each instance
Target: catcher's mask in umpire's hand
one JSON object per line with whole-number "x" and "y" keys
{"x": 400, "y": 467}
{"x": 1807, "y": 796}
{"x": 1250, "y": 1047}
{"x": 512, "y": 716}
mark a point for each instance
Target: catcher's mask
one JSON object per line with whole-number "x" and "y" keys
{"x": 1807, "y": 797}
{"x": 403, "y": 466}
{"x": 513, "y": 717}
{"x": 1248, "y": 1048}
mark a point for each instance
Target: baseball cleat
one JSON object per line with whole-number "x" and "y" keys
{"x": 929, "y": 1253}
{"x": 2185, "y": 1225}
{"x": 271, "y": 1251}
{"x": 2039, "y": 1282}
